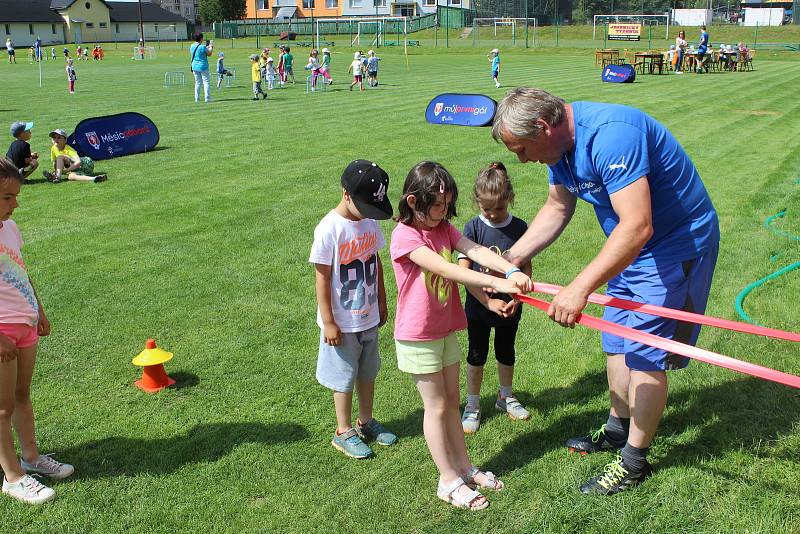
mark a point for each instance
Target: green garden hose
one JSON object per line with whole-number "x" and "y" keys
{"x": 741, "y": 296}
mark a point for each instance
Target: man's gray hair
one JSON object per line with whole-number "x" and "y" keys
{"x": 519, "y": 110}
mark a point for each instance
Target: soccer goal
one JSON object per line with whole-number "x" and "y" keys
{"x": 143, "y": 52}
{"x": 502, "y": 30}
{"x": 644, "y": 20}
{"x": 366, "y": 31}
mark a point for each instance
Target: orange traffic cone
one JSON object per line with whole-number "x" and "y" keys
{"x": 151, "y": 360}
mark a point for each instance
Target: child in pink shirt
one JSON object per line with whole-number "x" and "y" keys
{"x": 429, "y": 313}
{"x": 22, "y": 321}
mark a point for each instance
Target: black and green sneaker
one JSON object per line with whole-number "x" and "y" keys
{"x": 616, "y": 477}
{"x": 597, "y": 441}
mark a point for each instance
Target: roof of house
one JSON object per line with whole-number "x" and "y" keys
{"x": 64, "y": 4}
{"x": 27, "y": 11}
{"x": 129, "y": 12}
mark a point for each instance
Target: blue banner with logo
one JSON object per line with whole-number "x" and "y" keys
{"x": 461, "y": 110}
{"x": 624, "y": 73}
{"x": 113, "y": 136}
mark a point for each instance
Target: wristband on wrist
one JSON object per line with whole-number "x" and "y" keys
{"x": 512, "y": 271}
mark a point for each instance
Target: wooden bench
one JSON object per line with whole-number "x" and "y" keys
{"x": 400, "y": 43}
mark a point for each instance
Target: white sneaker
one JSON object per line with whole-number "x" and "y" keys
{"x": 46, "y": 465}
{"x": 513, "y": 408}
{"x": 497, "y": 85}
{"x": 29, "y": 490}
{"x": 470, "y": 420}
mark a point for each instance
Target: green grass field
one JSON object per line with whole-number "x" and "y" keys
{"x": 203, "y": 245}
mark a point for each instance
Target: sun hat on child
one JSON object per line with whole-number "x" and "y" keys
{"x": 57, "y": 131}
{"x": 18, "y": 127}
{"x": 494, "y": 51}
{"x": 367, "y": 184}
{"x": 326, "y": 51}
{"x": 221, "y": 54}
{"x": 356, "y": 55}
{"x": 270, "y": 60}
{"x": 253, "y": 57}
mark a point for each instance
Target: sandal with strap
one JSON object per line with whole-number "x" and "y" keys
{"x": 492, "y": 482}
{"x": 450, "y": 494}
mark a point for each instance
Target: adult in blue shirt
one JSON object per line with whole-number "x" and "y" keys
{"x": 199, "y": 53}
{"x": 661, "y": 248}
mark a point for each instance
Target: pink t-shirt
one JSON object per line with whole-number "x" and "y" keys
{"x": 428, "y": 306}
{"x": 17, "y": 301}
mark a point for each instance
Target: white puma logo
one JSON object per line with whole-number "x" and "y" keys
{"x": 380, "y": 193}
{"x": 620, "y": 165}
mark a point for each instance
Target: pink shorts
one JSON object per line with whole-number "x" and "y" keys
{"x": 22, "y": 335}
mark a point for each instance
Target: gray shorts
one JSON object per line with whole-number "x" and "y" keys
{"x": 356, "y": 358}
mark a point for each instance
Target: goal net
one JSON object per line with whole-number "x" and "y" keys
{"x": 365, "y": 31}
{"x": 143, "y": 52}
{"x": 503, "y": 31}
{"x": 645, "y": 20}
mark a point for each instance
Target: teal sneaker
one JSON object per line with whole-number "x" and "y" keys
{"x": 374, "y": 431}
{"x": 350, "y": 444}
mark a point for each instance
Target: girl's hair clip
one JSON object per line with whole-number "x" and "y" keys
{"x": 441, "y": 186}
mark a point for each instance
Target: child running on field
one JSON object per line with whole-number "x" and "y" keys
{"x": 498, "y": 230}
{"x": 429, "y": 313}
{"x": 356, "y": 67}
{"x": 288, "y": 62}
{"x": 494, "y": 59}
{"x": 352, "y": 303}
{"x": 22, "y": 321}
{"x": 325, "y": 66}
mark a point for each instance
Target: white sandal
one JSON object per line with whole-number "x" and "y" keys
{"x": 450, "y": 495}
{"x": 493, "y": 483}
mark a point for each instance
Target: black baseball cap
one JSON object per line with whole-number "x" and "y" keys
{"x": 368, "y": 185}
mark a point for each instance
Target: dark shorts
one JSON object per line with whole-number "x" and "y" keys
{"x": 681, "y": 286}
{"x": 373, "y": 73}
{"x": 11, "y": 52}
{"x": 358, "y": 78}
{"x": 495, "y": 73}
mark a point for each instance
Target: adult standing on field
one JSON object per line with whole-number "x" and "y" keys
{"x": 661, "y": 248}
{"x": 200, "y": 53}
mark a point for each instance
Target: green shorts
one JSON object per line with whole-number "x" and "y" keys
{"x": 87, "y": 166}
{"x": 425, "y": 357}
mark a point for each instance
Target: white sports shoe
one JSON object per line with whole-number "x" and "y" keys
{"x": 513, "y": 408}
{"x": 28, "y": 490}
{"x": 46, "y": 465}
{"x": 470, "y": 420}
{"x": 497, "y": 85}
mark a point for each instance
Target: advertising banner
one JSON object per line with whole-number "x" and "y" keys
{"x": 628, "y": 31}
{"x": 461, "y": 110}
{"x": 113, "y": 136}
{"x": 624, "y": 73}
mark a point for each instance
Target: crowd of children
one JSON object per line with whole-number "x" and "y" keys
{"x": 352, "y": 306}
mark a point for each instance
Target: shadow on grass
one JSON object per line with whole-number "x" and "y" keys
{"x": 745, "y": 414}
{"x": 525, "y": 448}
{"x": 120, "y": 456}
{"x": 184, "y": 380}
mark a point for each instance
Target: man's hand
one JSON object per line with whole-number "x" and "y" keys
{"x": 332, "y": 334}
{"x": 567, "y": 306}
{"x": 8, "y": 351}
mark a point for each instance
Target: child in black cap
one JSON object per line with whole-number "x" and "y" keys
{"x": 19, "y": 152}
{"x": 352, "y": 303}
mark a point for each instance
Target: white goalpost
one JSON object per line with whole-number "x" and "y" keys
{"x": 380, "y": 25}
{"x": 517, "y": 28}
{"x": 143, "y": 52}
{"x": 645, "y": 20}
